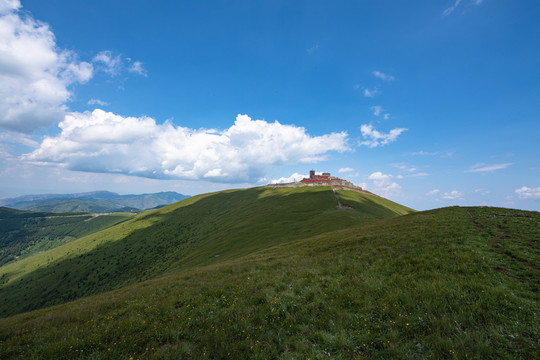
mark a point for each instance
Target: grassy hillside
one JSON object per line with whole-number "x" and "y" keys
{"x": 24, "y": 233}
{"x": 201, "y": 230}
{"x": 448, "y": 283}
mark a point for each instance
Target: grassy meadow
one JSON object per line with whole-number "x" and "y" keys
{"x": 307, "y": 281}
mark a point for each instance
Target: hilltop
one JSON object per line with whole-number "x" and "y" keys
{"x": 284, "y": 273}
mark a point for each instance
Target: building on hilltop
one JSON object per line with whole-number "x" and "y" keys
{"x": 325, "y": 179}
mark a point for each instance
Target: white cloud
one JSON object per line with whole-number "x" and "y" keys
{"x": 482, "y": 192}
{"x": 424, "y": 153}
{"x": 376, "y": 138}
{"x": 114, "y": 65}
{"x": 111, "y": 64}
{"x": 383, "y": 184}
{"x": 433, "y": 192}
{"x": 377, "y": 110}
{"x": 379, "y": 178}
{"x": 344, "y": 170}
{"x": 137, "y": 68}
{"x": 7, "y": 6}
{"x": 403, "y": 167}
{"x": 488, "y": 168}
{"x": 528, "y": 193}
{"x": 451, "y": 8}
{"x": 103, "y": 142}
{"x": 97, "y": 102}
{"x": 293, "y": 178}
{"x": 371, "y": 93}
{"x": 34, "y": 73}
{"x": 383, "y": 76}
{"x": 452, "y": 195}
{"x": 420, "y": 174}
{"x": 17, "y": 138}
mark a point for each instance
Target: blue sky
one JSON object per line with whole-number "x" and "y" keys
{"x": 428, "y": 103}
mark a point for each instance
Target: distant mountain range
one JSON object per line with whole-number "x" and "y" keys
{"x": 94, "y": 202}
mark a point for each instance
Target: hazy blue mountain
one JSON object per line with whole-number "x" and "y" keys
{"x": 95, "y": 202}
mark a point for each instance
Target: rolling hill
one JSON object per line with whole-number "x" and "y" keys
{"x": 283, "y": 273}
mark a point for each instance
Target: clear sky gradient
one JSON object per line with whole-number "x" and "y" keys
{"x": 428, "y": 103}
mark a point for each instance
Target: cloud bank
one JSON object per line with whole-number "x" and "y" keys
{"x": 34, "y": 74}
{"x": 103, "y": 142}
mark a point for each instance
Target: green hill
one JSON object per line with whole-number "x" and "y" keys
{"x": 24, "y": 233}
{"x": 201, "y": 230}
{"x": 282, "y": 273}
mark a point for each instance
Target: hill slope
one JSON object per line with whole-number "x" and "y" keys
{"x": 200, "y": 230}
{"x": 454, "y": 282}
{"x": 24, "y": 233}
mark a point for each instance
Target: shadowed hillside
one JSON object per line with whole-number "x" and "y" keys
{"x": 24, "y": 233}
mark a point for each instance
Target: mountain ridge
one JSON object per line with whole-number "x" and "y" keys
{"x": 94, "y": 201}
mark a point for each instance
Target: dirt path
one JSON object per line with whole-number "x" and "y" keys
{"x": 340, "y": 205}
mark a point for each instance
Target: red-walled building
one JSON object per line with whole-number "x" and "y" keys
{"x": 325, "y": 177}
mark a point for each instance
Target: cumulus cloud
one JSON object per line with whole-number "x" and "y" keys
{"x": 9, "y": 5}
{"x": 34, "y": 73}
{"x": 528, "y": 193}
{"x": 344, "y": 170}
{"x": 433, "y": 192}
{"x": 383, "y": 76}
{"x": 376, "y": 138}
{"x": 101, "y": 141}
{"x": 488, "y": 167}
{"x": 293, "y": 178}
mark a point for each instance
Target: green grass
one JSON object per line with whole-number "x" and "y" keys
{"x": 24, "y": 233}
{"x": 301, "y": 280}
{"x": 448, "y": 283}
{"x": 202, "y": 230}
